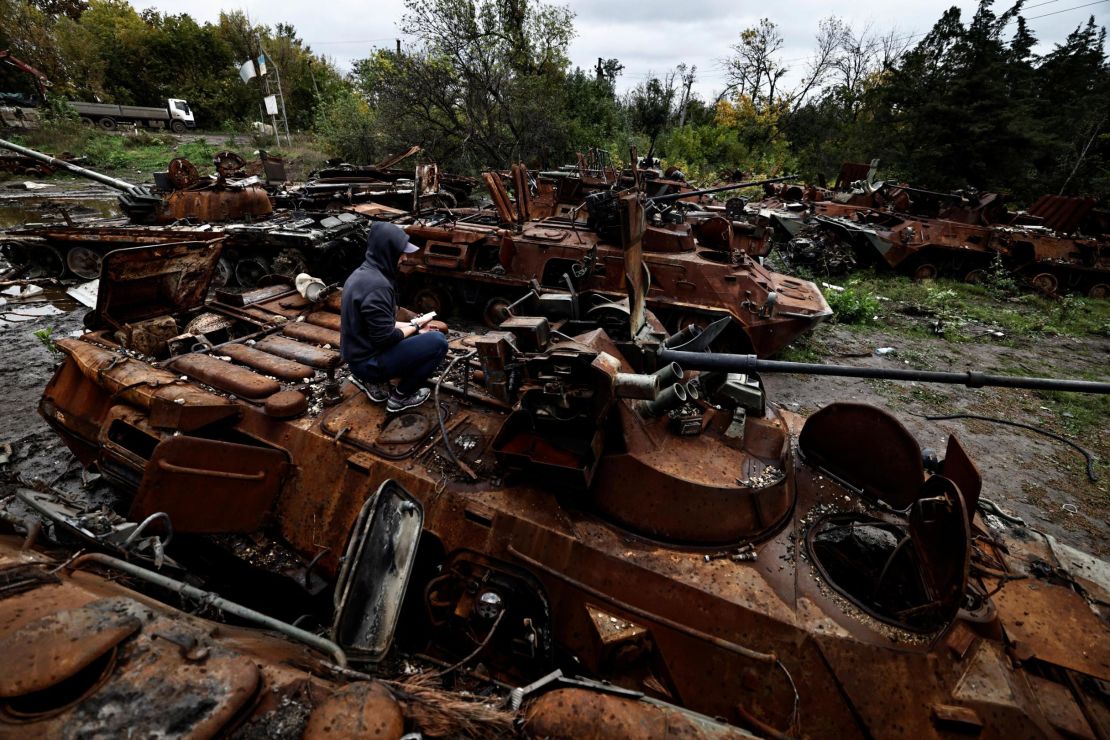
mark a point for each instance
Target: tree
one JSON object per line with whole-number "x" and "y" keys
{"x": 651, "y": 105}
{"x": 753, "y": 70}
{"x": 484, "y": 83}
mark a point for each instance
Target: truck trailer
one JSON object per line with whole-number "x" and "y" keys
{"x": 177, "y": 115}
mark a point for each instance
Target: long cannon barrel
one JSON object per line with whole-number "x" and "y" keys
{"x": 55, "y": 162}
{"x": 719, "y": 188}
{"x": 752, "y": 364}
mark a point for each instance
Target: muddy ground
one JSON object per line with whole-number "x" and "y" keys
{"x": 1029, "y": 475}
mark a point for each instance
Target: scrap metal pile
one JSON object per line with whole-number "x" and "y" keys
{"x": 1058, "y": 245}
{"x": 234, "y": 204}
{"x": 598, "y": 527}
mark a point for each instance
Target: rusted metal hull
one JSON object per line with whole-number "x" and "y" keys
{"x": 628, "y": 556}
{"x": 87, "y": 656}
{"x": 284, "y": 243}
{"x": 1059, "y": 245}
{"x": 483, "y": 267}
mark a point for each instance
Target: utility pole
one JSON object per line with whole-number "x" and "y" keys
{"x": 313, "y": 76}
{"x": 281, "y": 96}
{"x": 398, "y": 47}
{"x": 599, "y": 69}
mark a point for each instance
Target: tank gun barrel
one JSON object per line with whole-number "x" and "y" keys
{"x": 752, "y": 364}
{"x": 62, "y": 164}
{"x": 718, "y": 189}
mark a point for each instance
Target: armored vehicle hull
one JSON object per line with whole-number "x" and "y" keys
{"x": 487, "y": 269}
{"x": 558, "y": 505}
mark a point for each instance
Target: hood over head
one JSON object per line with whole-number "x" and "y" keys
{"x": 385, "y": 245}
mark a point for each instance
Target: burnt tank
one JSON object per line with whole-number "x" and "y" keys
{"x": 631, "y": 509}
{"x": 699, "y": 267}
{"x": 183, "y": 206}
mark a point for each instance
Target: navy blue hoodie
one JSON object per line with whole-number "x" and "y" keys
{"x": 368, "y": 319}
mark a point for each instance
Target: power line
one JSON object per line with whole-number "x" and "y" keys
{"x": 1065, "y": 10}
{"x": 351, "y": 41}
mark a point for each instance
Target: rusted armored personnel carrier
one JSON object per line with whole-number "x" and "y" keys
{"x": 697, "y": 272}
{"x": 570, "y": 500}
{"x": 185, "y": 206}
{"x": 85, "y": 655}
{"x": 925, "y": 248}
{"x": 1059, "y": 244}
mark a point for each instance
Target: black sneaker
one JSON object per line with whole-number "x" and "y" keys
{"x": 376, "y": 392}
{"x": 397, "y": 402}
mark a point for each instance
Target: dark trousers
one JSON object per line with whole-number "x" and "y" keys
{"x": 413, "y": 360}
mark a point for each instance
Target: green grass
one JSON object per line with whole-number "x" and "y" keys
{"x": 134, "y": 155}
{"x": 963, "y": 307}
{"x": 802, "y": 350}
{"x": 853, "y": 305}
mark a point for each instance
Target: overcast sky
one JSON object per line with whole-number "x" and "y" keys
{"x": 647, "y": 36}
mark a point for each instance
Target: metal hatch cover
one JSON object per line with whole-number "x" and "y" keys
{"x": 866, "y": 448}
{"x": 155, "y": 280}
{"x": 209, "y": 485}
{"x": 375, "y": 573}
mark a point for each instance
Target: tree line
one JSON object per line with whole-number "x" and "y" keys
{"x": 482, "y": 83}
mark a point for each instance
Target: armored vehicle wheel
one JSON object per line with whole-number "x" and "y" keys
{"x": 976, "y": 276}
{"x": 83, "y": 262}
{"x": 925, "y": 271}
{"x": 178, "y": 127}
{"x": 496, "y": 311}
{"x": 87, "y": 122}
{"x": 1099, "y": 290}
{"x": 431, "y": 299}
{"x": 1045, "y": 282}
{"x": 182, "y": 173}
{"x": 290, "y": 263}
{"x": 250, "y": 270}
{"x": 108, "y": 124}
{"x": 223, "y": 274}
{"x": 46, "y": 262}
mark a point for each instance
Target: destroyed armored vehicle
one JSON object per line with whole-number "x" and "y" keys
{"x": 258, "y": 240}
{"x": 697, "y": 271}
{"x": 381, "y": 188}
{"x": 577, "y": 502}
{"x": 88, "y": 656}
{"x": 926, "y": 248}
{"x": 1059, "y": 244}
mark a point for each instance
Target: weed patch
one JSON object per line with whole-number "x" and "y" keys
{"x": 853, "y": 305}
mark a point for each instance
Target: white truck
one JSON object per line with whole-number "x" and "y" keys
{"x": 177, "y": 115}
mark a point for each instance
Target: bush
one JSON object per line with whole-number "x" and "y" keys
{"x": 1000, "y": 281}
{"x": 853, "y": 305}
{"x": 347, "y": 129}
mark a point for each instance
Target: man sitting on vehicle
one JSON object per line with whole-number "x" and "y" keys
{"x": 374, "y": 344}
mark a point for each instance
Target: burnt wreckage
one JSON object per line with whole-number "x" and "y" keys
{"x": 87, "y": 656}
{"x": 183, "y": 206}
{"x": 698, "y": 264}
{"x": 1059, "y": 244}
{"x": 577, "y": 503}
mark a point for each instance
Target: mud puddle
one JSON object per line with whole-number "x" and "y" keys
{"x": 28, "y": 303}
{"x": 30, "y": 201}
